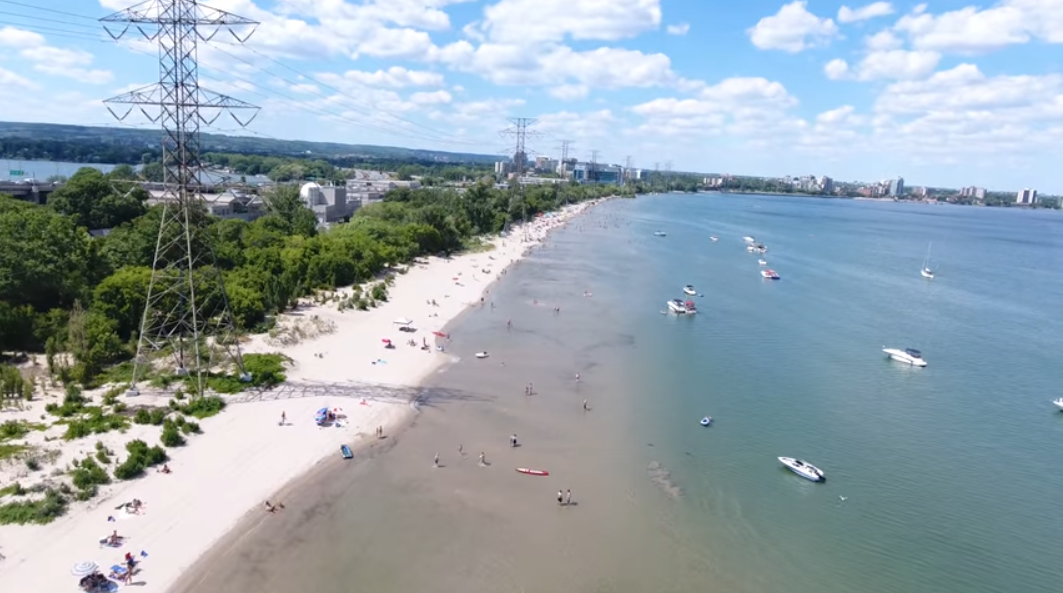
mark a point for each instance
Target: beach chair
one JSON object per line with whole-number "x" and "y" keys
{"x": 118, "y": 572}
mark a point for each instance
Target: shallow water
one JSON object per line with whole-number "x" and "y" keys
{"x": 949, "y": 472}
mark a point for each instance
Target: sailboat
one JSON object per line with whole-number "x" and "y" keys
{"x": 926, "y": 271}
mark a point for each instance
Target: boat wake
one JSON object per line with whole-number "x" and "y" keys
{"x": 660, "y": 476}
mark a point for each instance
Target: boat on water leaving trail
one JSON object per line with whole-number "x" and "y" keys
{"x": 908, "y": 356}
{"x": 803, "y": 468}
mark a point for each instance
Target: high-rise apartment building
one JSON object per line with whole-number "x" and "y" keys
{"x": 1027, "y": 197}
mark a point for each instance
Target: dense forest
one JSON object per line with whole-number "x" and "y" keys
{"x": 62, "y": 290}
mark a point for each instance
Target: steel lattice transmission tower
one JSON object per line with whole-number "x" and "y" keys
{"x": 519, "y": 130}
{"x": 187, "y": 312}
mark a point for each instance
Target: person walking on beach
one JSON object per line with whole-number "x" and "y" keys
{"x": 560, "y": 498}
{"x": 436, "y": 462}
{"x": 568, "y": 497}
{"x": 461, "y": 450}
{"x": 483, "y": 458}
{"x": 512, "y": 440}
{"x": 585, "y": 406}
{"x": 284, "y": 419}
{"x": 577, "y": 377}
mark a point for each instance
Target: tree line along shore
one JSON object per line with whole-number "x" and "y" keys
{"x": 71, "y": 304}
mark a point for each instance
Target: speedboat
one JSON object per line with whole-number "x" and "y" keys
{"x": 714, "y": 238}
{"x": 677, "y": 306}
{"x": 690, "y": 307}
{"x": 1059, "y": 403}
{"x": 760, "y": 248}
{"x": 689, "y": 289}
{"x": 707, "y": 420}
{"x": 659, "y": 234}
{"x": 762, "y": 262}
{"x": 927, "y": 273}
{"x": 749, "y": 239}
{"x": 803, "y": 468}
{"x": 908, "y": 356}
{"x": 769, "y": 274}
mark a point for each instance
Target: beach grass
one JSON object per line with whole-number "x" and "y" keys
{"x": 11, "y": 451}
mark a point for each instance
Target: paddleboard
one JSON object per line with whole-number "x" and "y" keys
{"x": 346, "y": 452}
{"x": 533, "y": 472}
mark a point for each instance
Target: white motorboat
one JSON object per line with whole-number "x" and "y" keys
{"x": 677, "y": 306}
{"x": 926, "y": 271}
{"x": 660, "y": 234}
{"x": 707, "y": 420}
{"x": 908, "y": 356}
{"x": 481, "y": 355}
{"x": 769, "y": 274}
{"x": 714, "y": 238}
{"x": 1059, "y": 403}
{"x": 762, "y": 262}
{"x": 689, "y": 289}
{"x": 749, "y": 239}
{"x": 803, "y": 468}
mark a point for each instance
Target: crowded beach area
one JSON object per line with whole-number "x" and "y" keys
{"x": 240, "y": 466}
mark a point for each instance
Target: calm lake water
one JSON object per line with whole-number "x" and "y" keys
{"x": 945, "y": 478}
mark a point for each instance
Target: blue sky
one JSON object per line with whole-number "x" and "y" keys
{"x": 943, "y": 93}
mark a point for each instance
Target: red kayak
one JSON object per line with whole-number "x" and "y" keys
{"x": 533, "y": 472}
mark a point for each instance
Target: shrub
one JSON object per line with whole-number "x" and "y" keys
{"x": 266, "y": 370}
{"x": 88, "y": 475}
{"x": 202, "y": 407}
{"x": 380, "y": 292}
{"x": 153, "y": 416}
{"x": 171, "y": 435}
{"x": 141, "y": 456}
{"x": 12, "y": 429}
{"x": 40, "y": 512}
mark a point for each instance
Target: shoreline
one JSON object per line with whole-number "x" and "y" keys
{"x": 243, "y": 457}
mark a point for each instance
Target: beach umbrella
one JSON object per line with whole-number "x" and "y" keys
{"x": 84, "y": 569}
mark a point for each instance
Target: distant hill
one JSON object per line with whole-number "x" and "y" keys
{"x": 149, "y": 139}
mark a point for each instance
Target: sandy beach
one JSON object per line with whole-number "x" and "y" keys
{"x": 245, "y": 456}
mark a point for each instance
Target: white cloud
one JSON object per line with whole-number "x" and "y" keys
{"x": 581, "y": 127}
{"x": 873, "y": 10}
{"x": 897, "y": 64}
{"x": 395, "y": 77}
{"x": 972, "y": 30}
{"x": 431, "y": 98}
{"x": 680, "y": 29}
{"x": 569, "y": 92}
{"x": 534, "y": 21}
{"x": 881, "y": 41}
{"x": 477, "y": 111}
{"x": 749, "y": 107}
{"x": 792, "y": 29}
{"x": 836, "y": 69}
{"x": 56, "y": 61}
{"x": 604, "y": 67}
{"x": 12, "y": 79}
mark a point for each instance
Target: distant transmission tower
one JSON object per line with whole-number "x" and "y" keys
{"x": 565, "y": 144}
{"x": 187, "y": 304}
{"x": 593, "y": 173}
{"x": 519, "y": 130}
{"x": 627, "y": 169}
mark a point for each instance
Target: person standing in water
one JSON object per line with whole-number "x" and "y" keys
{"x": 568, "y": 497}
{"x": 585, "y": 406}
{"x": 483, "y": 458}
{"x": 436, "y": 462}
{"x": 560, "y": 498}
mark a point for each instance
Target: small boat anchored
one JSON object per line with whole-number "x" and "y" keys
{"x": 1059, "y": 403}
{"x": 926, "y": 271}
{"x": 749, "y": 239}
{"x": 714, "y": 238}
{"x": 762, "y": 262}
{"x": 689, "y": 289}
{"x": 803, "y": 468}
{"x": 707, "y": 420}
{"x": 769, "y": 274}
{"x": 908, "y": 356}
{"x": 660, "y": 234}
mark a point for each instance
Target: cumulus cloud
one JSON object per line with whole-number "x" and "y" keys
{"x": 395, "y": 77}
{"x": 973, "y": 30}
{"x": 680, "y": 29}
{"x": 55, "y": 61}
{"x": 792, "y": 29}
{"x": 535, "y": 21}
{"x": 873, "y": 10}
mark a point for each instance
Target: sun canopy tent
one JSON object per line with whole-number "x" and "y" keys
{"x": 403, "y": 321}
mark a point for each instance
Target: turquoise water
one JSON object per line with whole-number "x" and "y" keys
{"x": 951, "y": 473}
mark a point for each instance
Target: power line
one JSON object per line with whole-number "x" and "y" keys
{"x": 565, "y": 144}
{"x": 52, "y": 10}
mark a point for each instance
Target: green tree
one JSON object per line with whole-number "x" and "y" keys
{"x": 284, "y": 202}
{"x": 98, "y": 201}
